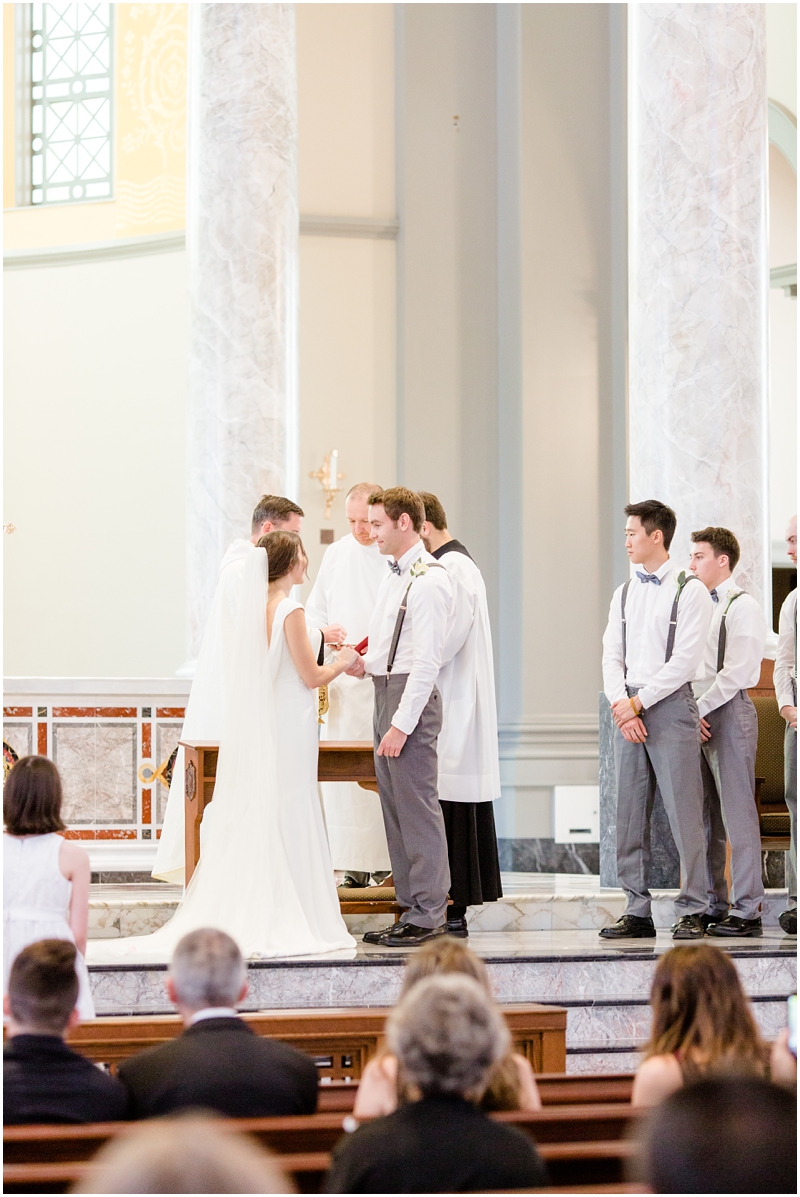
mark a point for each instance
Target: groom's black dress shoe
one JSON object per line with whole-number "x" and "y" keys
{"x": 734, "y": 926}
{"x": 788, "y": 921}
{"x": 409, "y": 936}
{"x": 690, "y": 927}
{"x": 630, "y": 926}
{"x": 379, "y": 936}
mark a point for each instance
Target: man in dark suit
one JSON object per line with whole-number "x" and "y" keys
{"x": 43, "y": 1079}
{"x": 218, "y": 1063}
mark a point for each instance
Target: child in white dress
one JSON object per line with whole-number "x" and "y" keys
{"x": 45, "y": 877}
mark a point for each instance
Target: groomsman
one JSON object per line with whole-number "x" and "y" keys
{"x": 729, "y": 732}
{"x": 407, "y": 635}
{"x": 469, "y": 765}
{"x": 786, "y": 692}
{"x": 345, "y": 592}
{"x": 652, "y": 649}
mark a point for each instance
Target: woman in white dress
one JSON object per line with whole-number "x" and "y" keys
{"x": 265, "y": 873}
{"x": 45, "y": 877}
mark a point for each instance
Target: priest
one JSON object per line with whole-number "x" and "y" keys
{"x": 205, "y": 708}
{"x": 344, "y": 594}
{"x": 469, "y": 765}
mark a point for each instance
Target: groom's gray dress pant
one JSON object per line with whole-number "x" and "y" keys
{"x": 412, "y": 816}
{"x": 729, "y": 779}
{"x": 669, "y": 759}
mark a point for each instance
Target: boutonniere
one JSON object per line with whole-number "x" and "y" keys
{"x": 418, "y": 569}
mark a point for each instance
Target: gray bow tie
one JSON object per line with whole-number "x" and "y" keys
{"x": 715, "y": 596}
{"x": 648, "y": 577}
{"x": 394, "y": 567}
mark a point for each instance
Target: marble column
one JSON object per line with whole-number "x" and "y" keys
{"x": 699, "y": 272}
{"x": 242, "y": 243}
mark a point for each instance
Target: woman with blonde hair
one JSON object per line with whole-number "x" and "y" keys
{"x": 702, "y": 1024}
{"x": 511, "y": 1084}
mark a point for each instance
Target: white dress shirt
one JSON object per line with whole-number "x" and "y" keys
{"x": 746, "y": 637}
{"x": 420, "y": 649}
{"x": 213, "y": 1012}
{"x": 786, "y": 659}
{"x": 647, "y": 612}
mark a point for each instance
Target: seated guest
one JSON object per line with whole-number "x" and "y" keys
{"x": 511, "y": 1084}
{"x": 723, "y": 1135}
{"x": 446, "y": 1034}
{"x": 183, "y": 1155}
{"x": 702, "y": 1023}
{"x": 43, "y": 1079}
{"x": 218, "y": 1062}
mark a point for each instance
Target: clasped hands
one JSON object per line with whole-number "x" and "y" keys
{"x": 628, "y": 721}
{"x": 335, "y": 635}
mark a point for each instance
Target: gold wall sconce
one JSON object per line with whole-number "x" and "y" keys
{"x": 329, "y": 477}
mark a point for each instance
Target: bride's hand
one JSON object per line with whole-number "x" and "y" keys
{"x": 346, "y": 656}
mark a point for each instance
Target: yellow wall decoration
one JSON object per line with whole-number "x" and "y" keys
{"x": 150, "y": 191}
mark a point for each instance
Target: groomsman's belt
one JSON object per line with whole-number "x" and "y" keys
{"x": 401, "y": 614}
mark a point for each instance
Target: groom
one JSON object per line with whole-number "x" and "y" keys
{"x": 405, "y": 652}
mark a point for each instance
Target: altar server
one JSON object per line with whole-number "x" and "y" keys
{"x": 345, "y": 593}
{"x": 729, "y": 732}
{"x": 786, "y": 692}
{"x": 469, "y": 764}
{"x": 205, "y": 709}
{"x": 407, "y": 644}
{"x": 652, "y": 648}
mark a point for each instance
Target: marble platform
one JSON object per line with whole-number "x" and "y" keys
{"x": 605, "y": 986}
{"x": 531, "y": 902}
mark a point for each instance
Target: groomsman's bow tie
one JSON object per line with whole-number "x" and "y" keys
{"x": 715, "y": 596}
{"x": 394, "y": 567}
{"x": 648, "y": 578}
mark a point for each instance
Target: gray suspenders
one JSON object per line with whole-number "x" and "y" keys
{"x": 683, "y": 580}
{"x": 723, "y": 631}
{"x": 401, "y": 614}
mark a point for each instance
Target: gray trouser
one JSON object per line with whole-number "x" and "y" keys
{"x": 669, "y": 759}
{"x": 412, "y": 816}
{"x": 729, "y": 772}
{"x": 790, "y": 792}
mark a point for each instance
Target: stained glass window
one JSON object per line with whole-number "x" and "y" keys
{"x": 70, "y": 102}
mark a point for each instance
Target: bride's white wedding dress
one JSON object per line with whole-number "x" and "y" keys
{"x": 265, "y": 873}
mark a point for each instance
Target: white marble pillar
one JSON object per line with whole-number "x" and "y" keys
{"x": 242, "y": 242}
{"x": 699, "y": 272}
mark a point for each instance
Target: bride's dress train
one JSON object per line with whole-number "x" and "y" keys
{"x": 265, "y": 873}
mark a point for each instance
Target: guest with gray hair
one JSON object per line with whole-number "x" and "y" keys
{"x": 446, "y": 1034}
{"x": 218, "y": 1063}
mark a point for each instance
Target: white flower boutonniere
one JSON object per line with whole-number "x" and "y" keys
{"x": 418, "y": 569}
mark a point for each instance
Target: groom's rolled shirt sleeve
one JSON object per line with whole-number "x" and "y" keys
{"x": 429, "y": 604}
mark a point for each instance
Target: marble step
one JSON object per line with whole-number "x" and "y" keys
{"x": 531, "y": 902}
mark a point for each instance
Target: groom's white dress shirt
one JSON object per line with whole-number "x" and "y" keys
{"x": 420, "y": 649}
{"x": 647, "y": 612}
{"x": 745, "y": 638}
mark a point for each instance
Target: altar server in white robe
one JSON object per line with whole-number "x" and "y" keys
{"x": 203, "y": 719}
{"x": 469, "y": 764}
{"x": 344, "y": 593}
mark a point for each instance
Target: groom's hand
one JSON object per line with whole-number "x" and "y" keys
{"x": 357, "y": 668}
{"x": 392, "y": 743}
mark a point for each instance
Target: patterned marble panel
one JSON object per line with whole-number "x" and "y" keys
{"x": 595, "y": 1025}
{"x": 97, "y": 762}
{"x": 544, "y": 855}
{"x": 19, "y": 736}
{"x": 167, "y": 736}
{"x": 587, "y": 1063}
{"x": 771, "y": 1017}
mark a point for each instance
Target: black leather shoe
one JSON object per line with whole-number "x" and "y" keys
{"x": 788, "y": 921}
{"x": 407, "y": 935}
{"x": 630, "y": 926}
{"x": 735, "y": 926}
{"x": 689, "y": 927}
{"x": 379, "y": 936}
{"x": 708, "y": 920}
{"x": 458, "y": 927}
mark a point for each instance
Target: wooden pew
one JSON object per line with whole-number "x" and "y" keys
{"x": 339, "y": 760}
{"x": 50, "y": 1159}
{"x": 555, "y": 1089}
{"x": 341, "y": 1041}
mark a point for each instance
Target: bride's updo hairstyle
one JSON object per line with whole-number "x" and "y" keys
{"x": 284, "y": 550}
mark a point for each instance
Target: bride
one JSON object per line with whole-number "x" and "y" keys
{"x": 265, "y": 873}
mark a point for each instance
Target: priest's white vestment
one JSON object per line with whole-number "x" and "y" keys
{"x": 345, "y": 592}
{"x": 205, "y": 710}
{"x": 469, "y": 762}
